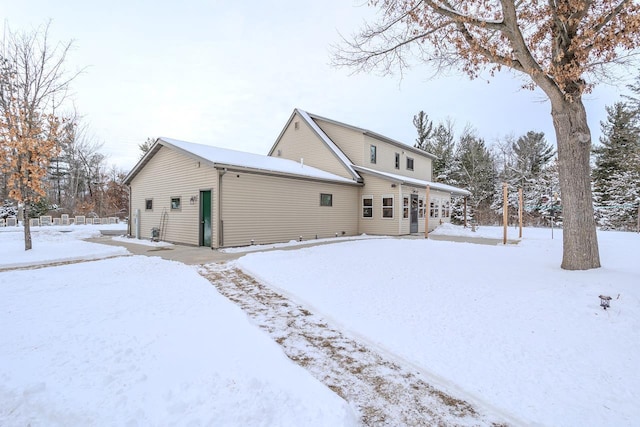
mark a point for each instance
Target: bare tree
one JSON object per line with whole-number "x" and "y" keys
{"x": 33, "y": 83}
{"x": 560, "y": 46}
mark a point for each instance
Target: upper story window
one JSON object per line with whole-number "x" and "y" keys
{"x": 397, "y": 164}
{"x": 373, "y": 155}
{"x": 148, "y": 204}
{"x": 326, "y": 199}
{"x": 409, "y": 163}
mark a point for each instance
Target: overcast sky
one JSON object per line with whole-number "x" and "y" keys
{"x": 229, "y": 73}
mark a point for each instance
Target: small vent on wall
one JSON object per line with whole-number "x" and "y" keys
{"x": 279, "y": 153}
{"x": 296, "y": 125}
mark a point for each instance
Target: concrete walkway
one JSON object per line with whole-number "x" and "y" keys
{"x": 199, "y": 255}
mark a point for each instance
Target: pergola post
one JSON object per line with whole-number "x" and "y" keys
{"x": 520, "y": 210}
{"x": 427, "y": 212}
{"x": 465, "y": 212}
{"x": 505, "y": 212}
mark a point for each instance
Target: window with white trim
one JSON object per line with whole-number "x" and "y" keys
{"x": 405, "y": 207}
{"x": 373, "y": 155}
{"x": 367, "y": 207}
{"x": 421, "y": 207}
{"x": 397, "y": 164}
{"x": 446, "y": 209}
{"x": 387, "y": 206}
{"x": 409, "y": 163}
{"x": 434, "y": 208}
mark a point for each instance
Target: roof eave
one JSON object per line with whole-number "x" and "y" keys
{"x": 238, "y": 168}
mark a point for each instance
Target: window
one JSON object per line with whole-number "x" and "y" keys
{"x": 446, "y": 209}
{"x": 367, "y": 207}
{"x": 148, "y": 204}
{"x": 326, "y": 199}
{"x": 175, "y": 203}
{"x": 387, "y": 207}
{"x": 372, "y": 153}
{"x": 405, "y": 207}
{"x": 397, "y": 165}
{"x": 434, "y": 208}
{"x": 409, "y": 163}
{"x": 420, "y": 208}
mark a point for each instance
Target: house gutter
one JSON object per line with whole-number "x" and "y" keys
{"x": 234, "y": 168}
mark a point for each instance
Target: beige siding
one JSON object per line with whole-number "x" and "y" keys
{"x": 304, "y": 143}
{"x": 385, "y": 160}
{"x": 268, "y": 209}
{"x": 378, "y": 188}
{"x": 170, "y": 174}
{"x": 348, "y": 140}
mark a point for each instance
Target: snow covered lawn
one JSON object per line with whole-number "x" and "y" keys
{"x": 139, "y": 341}
{"x": 54, "y": 244}
{"x": 500, "y": 325}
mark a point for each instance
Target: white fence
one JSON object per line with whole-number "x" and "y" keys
{"x": 64, "y": 219}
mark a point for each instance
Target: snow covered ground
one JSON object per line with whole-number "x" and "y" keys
{"x": 503, "y": 324}
{"x": 55, "y": 244}
{"x": 138, "y": 341}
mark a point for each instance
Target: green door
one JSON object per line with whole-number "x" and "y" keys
{"x": 205, "y": 218}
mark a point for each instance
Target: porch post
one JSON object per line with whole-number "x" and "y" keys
{"x": 427, "y": 212}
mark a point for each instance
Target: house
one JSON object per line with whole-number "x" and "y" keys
{"x": 321, "y": 178}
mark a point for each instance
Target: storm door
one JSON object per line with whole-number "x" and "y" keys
{"x": 205, "y": 218}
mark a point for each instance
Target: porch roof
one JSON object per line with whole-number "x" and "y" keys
{"x": 400, "y": 179}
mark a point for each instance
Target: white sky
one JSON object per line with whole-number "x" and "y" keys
{"x": 230, "y": 74}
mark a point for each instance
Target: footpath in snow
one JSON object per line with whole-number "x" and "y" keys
{"x": 139, "y": 340}
{"x": 503, "y": 323}
{"x": 383, "y": 391}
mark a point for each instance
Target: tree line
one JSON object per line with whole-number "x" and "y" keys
{"x": 49, "y": 162}
{"x": 529, "y": 162}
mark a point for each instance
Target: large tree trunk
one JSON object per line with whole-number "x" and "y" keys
{"x": 580, "y": 242}
{"x": 27, "y": 227}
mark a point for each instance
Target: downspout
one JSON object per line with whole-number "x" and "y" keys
{"x": 130, "y": 212}
{"x": 220, "y": 222}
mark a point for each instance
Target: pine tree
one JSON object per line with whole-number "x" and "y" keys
{"x": 148, "y": 143}
{"x": 474, "y": 169}
{"x": 616, "y": 175}
{"x": 443, "y": 145}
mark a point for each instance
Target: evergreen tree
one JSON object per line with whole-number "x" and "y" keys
{"x": 424, "y": 126}
{"x": 146, "y": 145}
{"x": 443, "y": 145}
{"x": 532, "y": 153}
{"x": 474, "y": 169}
{"x": 616, "y": 175}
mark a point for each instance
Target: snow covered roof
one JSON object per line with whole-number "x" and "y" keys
{"x": 223, "y": 157}
{"x": 417, "y": 182}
